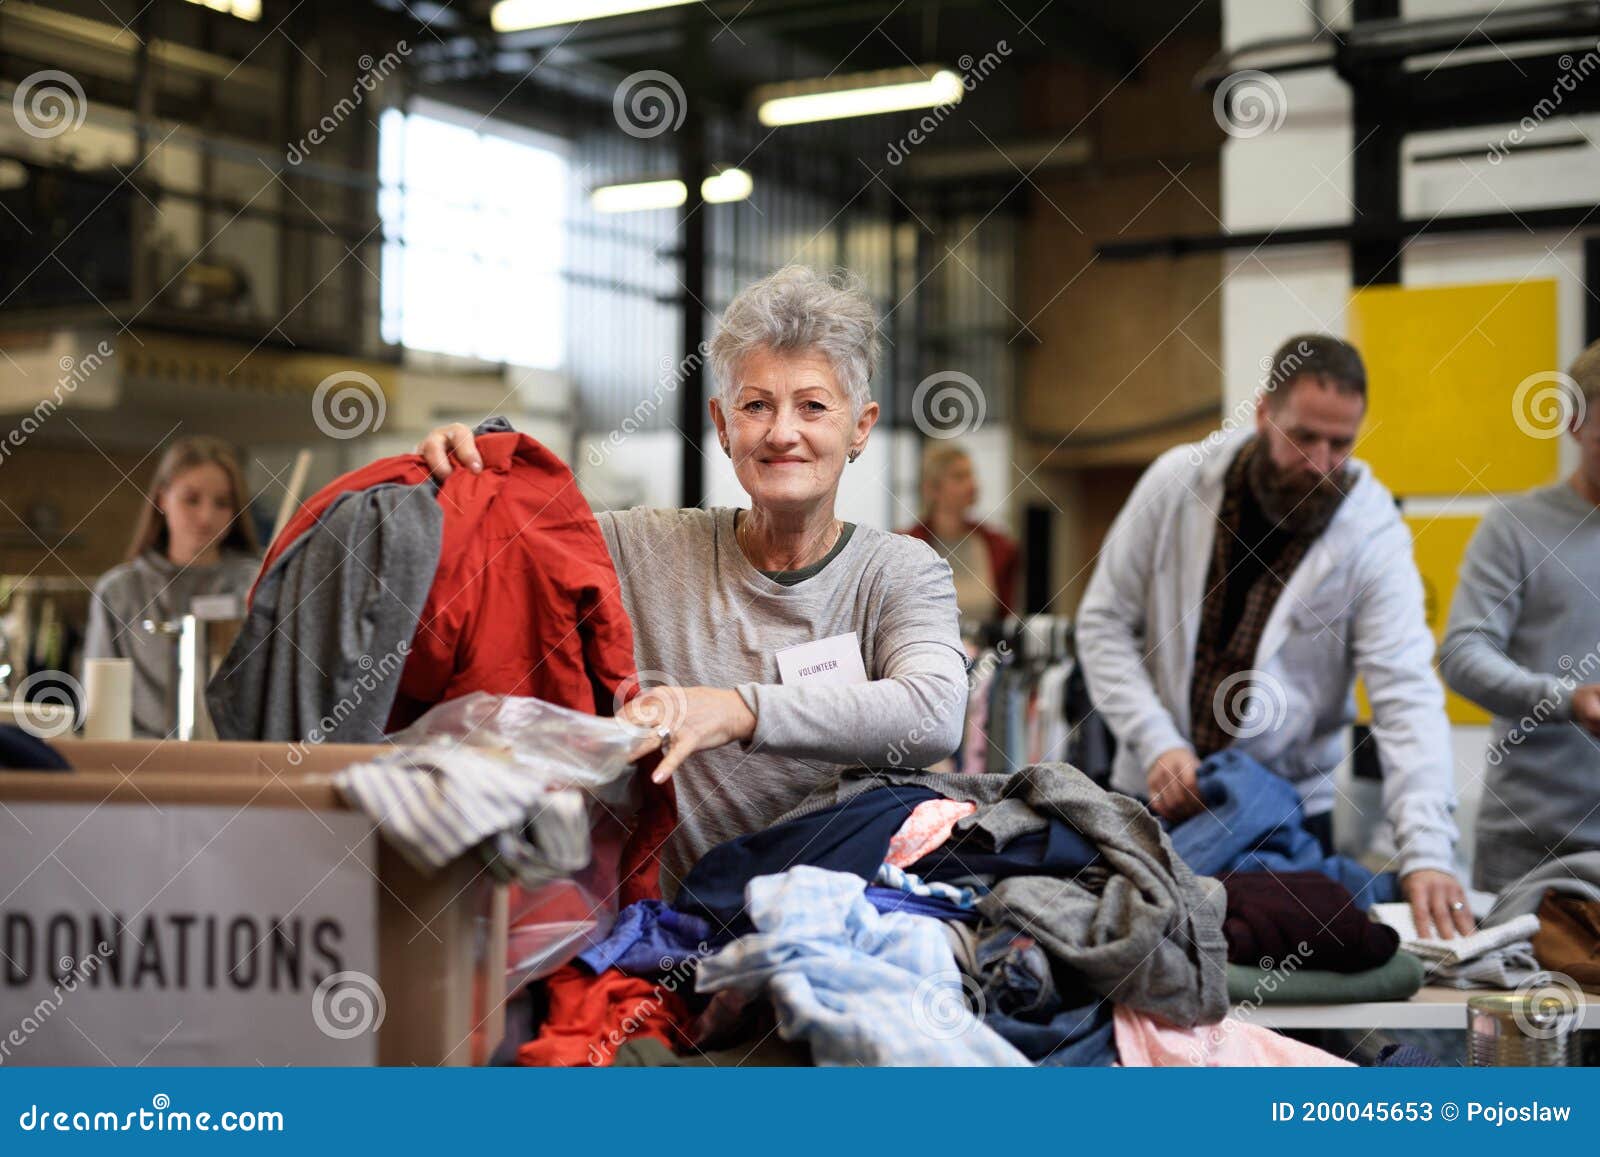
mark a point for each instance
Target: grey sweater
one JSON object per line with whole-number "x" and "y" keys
{"x": 150, "y": 587}
{"x": 1524, "y": 632}
{"x": 703, "y": 616}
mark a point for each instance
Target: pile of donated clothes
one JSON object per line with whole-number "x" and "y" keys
{"x": 1033, "y": 918}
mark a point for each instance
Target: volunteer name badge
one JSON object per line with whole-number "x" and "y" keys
{"x": 834, "y": 662}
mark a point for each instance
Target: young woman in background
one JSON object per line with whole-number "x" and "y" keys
{"x": 193, "y": 538}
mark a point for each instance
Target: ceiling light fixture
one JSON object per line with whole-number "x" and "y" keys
{"x": 720, "y": 189}
{"x": 243, "y": 9}
{"x": 516, "y": 15}
{"x": 864, "y": 94}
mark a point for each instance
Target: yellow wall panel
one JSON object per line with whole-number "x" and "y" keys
{"x": 1443, "y": 369}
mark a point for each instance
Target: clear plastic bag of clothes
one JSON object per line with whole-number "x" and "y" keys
{"x": 563, "y": 861}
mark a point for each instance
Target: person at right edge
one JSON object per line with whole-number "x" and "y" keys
{"x": 1523, "y": 643}
{"x": 1247, "y": 582}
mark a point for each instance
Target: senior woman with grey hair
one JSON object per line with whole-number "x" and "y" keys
{"x": 793, "y": 643}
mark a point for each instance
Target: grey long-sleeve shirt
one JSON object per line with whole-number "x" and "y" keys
{"x": 703, "y": 616}
{"x": 150, "y": 587}
{"x": 1524, "y": 632}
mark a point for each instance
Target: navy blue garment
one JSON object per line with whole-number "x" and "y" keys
{"x": 894, "y": 900}
{"x": 1057, "y": 851}
{"x": 850, "y": 837}
{"x": 650, "y": 938}
{"x": 1253, "y": 823}
{"x": 20, "y": 751}
{"x": 1399, "y": 1056}
{"x": 1023, "y": 1003}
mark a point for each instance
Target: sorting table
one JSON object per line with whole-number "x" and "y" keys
{"x": 1432, "y": 1007}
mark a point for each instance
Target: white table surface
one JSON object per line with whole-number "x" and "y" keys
{"x": 1432, "y": 1007}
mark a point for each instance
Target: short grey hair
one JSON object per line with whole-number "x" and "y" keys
{"x": 799, "y": 309}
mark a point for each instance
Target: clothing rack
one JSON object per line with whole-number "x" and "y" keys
{"x": 1038, "y": 638}
{"x": 42, "y": 620}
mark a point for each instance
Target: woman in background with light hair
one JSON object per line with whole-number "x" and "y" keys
{"x": 982, "y": 559}
{"x": 873, "y": 671}
{"x": 193, "y": 538}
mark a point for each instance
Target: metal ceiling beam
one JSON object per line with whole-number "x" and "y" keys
{"x": 1570, "y": 217}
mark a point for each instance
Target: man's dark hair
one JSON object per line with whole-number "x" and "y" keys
{"x": 1322, "y": 356}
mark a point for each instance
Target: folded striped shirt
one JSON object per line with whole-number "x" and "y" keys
{"x": 436, "y": 802}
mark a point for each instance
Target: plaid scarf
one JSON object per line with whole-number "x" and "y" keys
{"x": 1220, "y": 695}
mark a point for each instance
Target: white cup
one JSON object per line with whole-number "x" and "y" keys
{"x": 108, "y": 695}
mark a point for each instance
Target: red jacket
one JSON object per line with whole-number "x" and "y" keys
{"x": 1002, "y": 561}
{"x": 525, "y": 600}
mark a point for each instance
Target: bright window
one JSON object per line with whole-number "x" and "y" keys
{"x": 473, "y": 237}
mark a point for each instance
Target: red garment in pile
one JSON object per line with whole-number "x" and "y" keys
{"x": 525, "y": 602}
{"x": 591, "y": 1016}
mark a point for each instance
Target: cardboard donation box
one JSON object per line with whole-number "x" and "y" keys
{"x": 218, "y": 904}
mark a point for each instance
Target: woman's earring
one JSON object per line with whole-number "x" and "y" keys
{"x": 853, "y": 455}
{"x": 728, "y": 450}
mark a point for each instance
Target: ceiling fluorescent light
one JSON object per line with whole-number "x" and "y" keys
{"x": 728, "y": 185}
{"x": 243, "y": 9}
{"x": 637, "y": 196}
{"x": 865, "y": 94}
{"x": 516, "y": 15}
{"x": 724, "y": 187}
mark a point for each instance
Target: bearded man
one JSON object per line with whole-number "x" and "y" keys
{"x": 1246, "y": 584}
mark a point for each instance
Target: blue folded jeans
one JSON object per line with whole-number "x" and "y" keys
{"x": 1253, "y": 822}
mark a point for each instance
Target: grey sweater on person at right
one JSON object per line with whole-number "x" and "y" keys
{"x": 1524, "y": 632}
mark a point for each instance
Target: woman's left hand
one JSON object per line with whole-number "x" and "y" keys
{"x": 695, "y": 718}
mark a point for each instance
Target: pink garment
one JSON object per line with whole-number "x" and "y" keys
{"x": 975, "y": 743}
{"x": 1145, "y": 1042}
{"x": 926, "y": 829}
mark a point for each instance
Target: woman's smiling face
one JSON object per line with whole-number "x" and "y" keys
{"x": 789, "y": 428}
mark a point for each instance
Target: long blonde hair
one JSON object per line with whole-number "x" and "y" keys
{"x": 937, "y": 458}
{"x": 150, "y": 533}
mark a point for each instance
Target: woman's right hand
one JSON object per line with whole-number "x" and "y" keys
{"x": 454, "y": 440}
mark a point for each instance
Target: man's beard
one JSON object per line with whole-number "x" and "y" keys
{"x": 1297, "y": 503}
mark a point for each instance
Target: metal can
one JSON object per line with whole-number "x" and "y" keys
{"x": 1532, "y": 1028}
